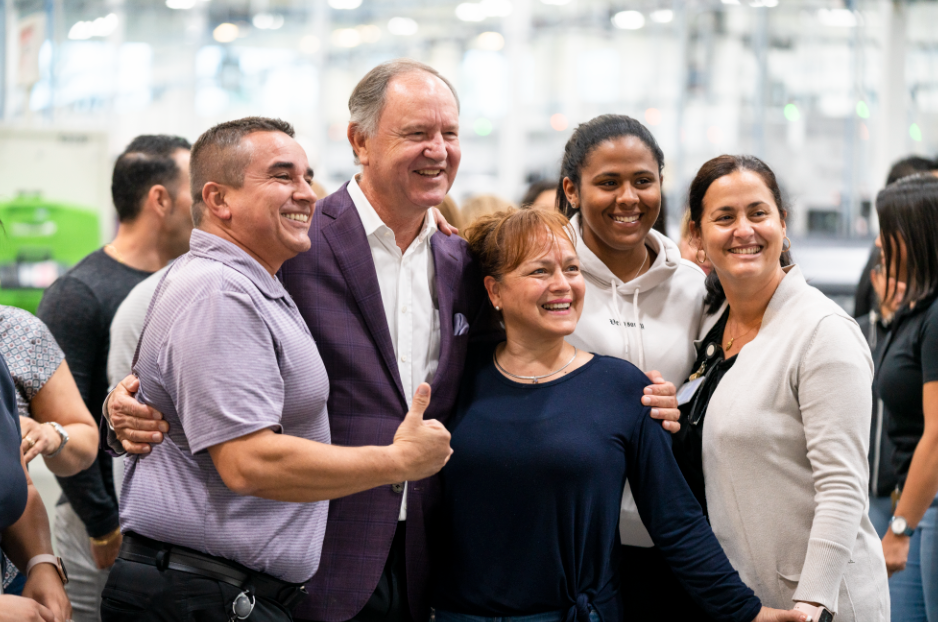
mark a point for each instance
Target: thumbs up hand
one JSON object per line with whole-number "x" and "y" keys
{"x": 422, "y": 446}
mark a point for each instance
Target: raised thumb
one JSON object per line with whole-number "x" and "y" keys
{"x": 420, "y": 402}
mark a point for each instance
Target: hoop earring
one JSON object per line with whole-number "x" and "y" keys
{"x": 699, "y": 260}
{"x": 785, "y": 250}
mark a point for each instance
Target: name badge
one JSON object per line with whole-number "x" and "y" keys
{"x": 688, "y": 389}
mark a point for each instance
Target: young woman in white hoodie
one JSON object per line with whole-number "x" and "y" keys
{"x": 643, "y": 302}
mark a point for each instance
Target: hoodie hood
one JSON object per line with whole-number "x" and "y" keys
{"x": 651, "y": 321}
{"x": 663, "y": 268}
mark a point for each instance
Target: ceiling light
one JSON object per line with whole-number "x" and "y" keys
{"x": 838, "y": 18}
{"x": 345, "y": 5}
{"x": 735, "y": 2}
{"x": 628, "y": 20}
{"x": 491, "y": 41}
{"x": 556, "y": 2}
{"x": 180, "y": 4}
{"x": 402, "y": 26}
{"x": 267, "y": 21}
{"x": 346, "y": 37}
{"x": 470, "y": 12}
{"x": 101, "y": 27}
{"x": 663, "y": 16}
{"x": 225, "y": 33}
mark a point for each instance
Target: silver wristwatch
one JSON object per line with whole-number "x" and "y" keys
{"x": 62, "y": 433}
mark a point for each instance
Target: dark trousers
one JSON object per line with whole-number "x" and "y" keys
{"x": 650, "y": 590}
{"x": 142, "y": 593}
{"x": 389, "y": 601}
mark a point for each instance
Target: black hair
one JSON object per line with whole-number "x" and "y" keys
{"x": 711, "y": 171}
{"x": 535, "y": 190}
{"x": 146, "y": 162}
{"x": 590, "y": 135}
{"x": 910, "y": 166}
{"x": 908, "y": 210}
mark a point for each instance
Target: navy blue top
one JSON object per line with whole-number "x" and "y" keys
{"x": 12, "y": 478}
{"x": 531, "y": 496}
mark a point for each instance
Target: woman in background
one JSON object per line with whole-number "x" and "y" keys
{"x": 907, "y": 382}
{"x": 777, "y": 413}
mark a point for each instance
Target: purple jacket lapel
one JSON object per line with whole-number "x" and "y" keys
{"x": 346, "y": 237}
{"x": 447, "y": 268}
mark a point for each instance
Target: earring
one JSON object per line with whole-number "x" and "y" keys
{"x": 699, "y": 260}
{"x": 497, "y": 308}
{"x": 784, "y": 249}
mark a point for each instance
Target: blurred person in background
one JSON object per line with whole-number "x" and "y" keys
{"x": 481, "y": 205}
{"x": 544, "y": 436}
{"x": 24, "y": 526}
{"x": 907, "y": 382}
{"x": 643, "y": 302}
{"x": 865, "y": 299}
{"x": 875, "y": 326}
{"x": 690, "y": 252}
{"x": 541, "y": 194}
{"x": 775, "y": 418}
{"x": 150, "y": 190}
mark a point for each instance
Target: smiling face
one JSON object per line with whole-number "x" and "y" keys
{"x": 269, "y": 214}
{"x": 543, "y": 297}
{"x": 619, "y": 194}
{"x": 411, "y": 161}
{"x": 741, "y": 229}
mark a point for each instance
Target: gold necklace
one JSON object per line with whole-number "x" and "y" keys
{"x": 729, "y": 344}
{"x": 116, "y": 253}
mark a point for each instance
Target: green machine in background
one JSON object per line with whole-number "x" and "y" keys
{"x": 42, "y": 240}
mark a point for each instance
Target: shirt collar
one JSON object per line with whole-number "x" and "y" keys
{"x": 373, "y": 223}
{"x": 210, "y": 246}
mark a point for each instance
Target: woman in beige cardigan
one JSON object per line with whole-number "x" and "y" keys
{"x": 784, "y": 383}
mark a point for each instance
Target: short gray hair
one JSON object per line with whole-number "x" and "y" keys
{"x": 367, "y": 100}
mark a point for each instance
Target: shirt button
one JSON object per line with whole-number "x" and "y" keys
{"x": 404, "y": 309}
{"x": 398, "y": 488}
{"x": 404, "y": 358}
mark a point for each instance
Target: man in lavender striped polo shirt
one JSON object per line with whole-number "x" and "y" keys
{"x": 227, "y": 516}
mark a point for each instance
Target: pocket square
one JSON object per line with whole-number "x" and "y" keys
{"x": 460, "y": 325}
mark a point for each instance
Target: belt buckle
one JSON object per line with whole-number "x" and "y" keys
{"x": 241, "y": 607}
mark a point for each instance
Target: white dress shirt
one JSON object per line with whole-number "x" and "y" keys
{"x": 407, "y": 282}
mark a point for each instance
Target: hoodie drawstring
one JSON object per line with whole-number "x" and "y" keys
{"x": 638, "y": 326}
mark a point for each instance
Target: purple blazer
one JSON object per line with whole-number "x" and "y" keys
{"x": 335, "y": 287}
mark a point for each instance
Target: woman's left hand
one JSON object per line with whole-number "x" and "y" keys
{"x": 45, "y": 587}
{"x": 896, "y": 552}
{"x": 38, "y": 438}
{"x": 662, "y": 397}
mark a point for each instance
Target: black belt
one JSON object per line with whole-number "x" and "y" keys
{"x": 154, "y": 553}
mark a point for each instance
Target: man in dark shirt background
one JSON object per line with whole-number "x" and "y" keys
{"x": 150, "y": 190}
